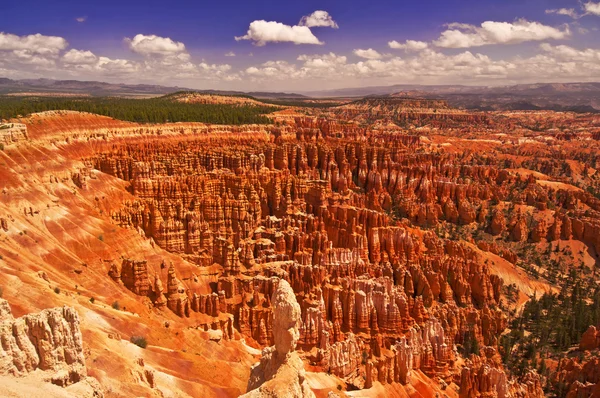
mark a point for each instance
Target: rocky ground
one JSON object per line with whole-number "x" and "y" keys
{"x": 412, "y": 242}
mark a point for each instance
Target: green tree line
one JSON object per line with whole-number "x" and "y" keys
{"x": 549, "y": 326}
{"x": 151, "y": 110}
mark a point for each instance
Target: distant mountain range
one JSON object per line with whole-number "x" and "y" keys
{"x": 580, "y": 97}
{"x": 102, "y": 89}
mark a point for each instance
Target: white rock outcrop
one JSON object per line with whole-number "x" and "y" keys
{"x": 49, "y": 343}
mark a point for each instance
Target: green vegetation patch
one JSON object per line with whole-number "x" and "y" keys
{"x": 140, "y": 341}
{"x": 150, "y": 110}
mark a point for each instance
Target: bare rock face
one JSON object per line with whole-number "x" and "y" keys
{"x": 484, "y": 378}
{"x": 581, "y": 377}
{"x": 498, "y": 224}
{"x": 519, "y": 232}
{"x": 134, "y": 275}
{"x": 12, "y": 132}
{"x": 334, "y": 212}
{"x": 49, "y": 341}
{"x": 590, "y": 339}
{"x": 286, "y": 319}
{"x": 5, "y": 314}
{"x": 280, "y": 372}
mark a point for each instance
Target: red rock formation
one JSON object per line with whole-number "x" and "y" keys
{"x": 498, "y": 223}
{"x": 590, "y": 339}
{"x": 134, "y": 275}
{"x": 332, "y": 207}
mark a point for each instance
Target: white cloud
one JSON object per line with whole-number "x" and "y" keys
{"x": 165, "y": 61}
{"x": 79, "y": 57}
{"x": 589, "y": 8}
{"x": 552, "y": 63}
{"x": 170, "y": 60}
{"x": 323, "y": 62}
{"x": 318, "y": 18}
{"x": 116, "y": 66}
{"x": 154, "y": 45}
{"x": 230, "y": 54}
{"x": 567, "y": 53}
{"x": 570, "y": 12}
{"x": 81, "y": 19}
{"x": 316, "y": 66}
{"x": 492, "y": 32}
{"x": 592, "y": 8}
{"x": 367, "y": 54}
{"x": 262, "y": 32}
{"x": 168, "y": 64}
{"x": 214, "y": 67}
{"x": 409, "y": 45}
{"x": 29, "y": 58}
{"x": 34, "y": 44}
{"x": 274, "y": 70}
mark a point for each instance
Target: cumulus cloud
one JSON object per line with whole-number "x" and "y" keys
{"x": 262, "y": 32}
{"x": 165, "y": 61}
{"x": 429, "y": 66}
{"x": 26, "y": 57}
{"x": 154, "y": 45}
{"x": 426, "y": 65}
{"x": 33, "y": 44}
{"x": 81, "y": 19}
{"x": 570, "y": 54}
{"x": 116, "y": 66}
{"x": 491, "y": 32}
{"x": 570, "y": 12}
{"x": 367, "y": 54}
{"x": 216, "y": 71}
{"x": 230, "y": 54}
{"x": 79, "y": 57}
{"x": 408, "y": 45}
{"x": 323, "y": 62}
{"x": 314, "y": 66}
{"x": 592, "y": 8}
{"x": 168, "y": 62}
{"x": 318, "y": 18}
{"x": 273, "y": 69}
{"x": 30, "y": 52}
{"x": 589, "y": 8}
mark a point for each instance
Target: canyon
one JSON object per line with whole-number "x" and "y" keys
{"x": 381, "y": 247}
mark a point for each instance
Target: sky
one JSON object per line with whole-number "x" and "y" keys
{"x": 301, "y": 46}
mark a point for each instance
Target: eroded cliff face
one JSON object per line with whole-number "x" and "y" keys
{"x": 356, "y": 251}
{"x": 49, "y": 342}
{"x": 12, "y": 132}
{"x": 379, "y": 299}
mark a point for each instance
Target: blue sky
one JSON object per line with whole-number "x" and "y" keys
{"x": 336, "y": 44}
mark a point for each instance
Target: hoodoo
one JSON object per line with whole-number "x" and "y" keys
{"x": 280, "y": 372}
